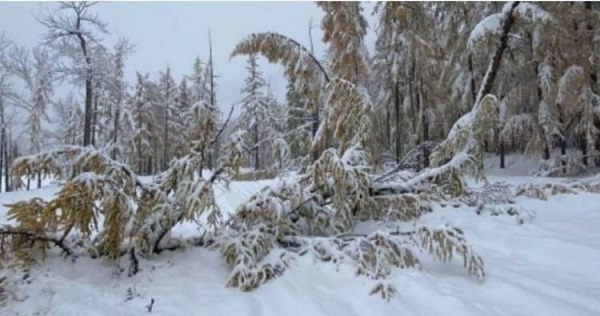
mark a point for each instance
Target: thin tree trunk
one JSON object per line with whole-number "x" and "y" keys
{"x": 166, "y": 136}
{"x": 7, "y": 160}
{"x": 2, "y": 141}
{"x": 563, "y": 153}
{"x": 584, "y": 151}
{"x": 502, "y": 156}
{"x": 490, "y": 76}
{"x": 4, "y": 175}
{"x": 256, "y": 149}
{"x": 397, "y": 120}
{"x": 388, "y": 132}
{"x": 472, "y": 72}
{"x": 87, "y": 124}
{"x": 315, "y": 126}
{"x": 546, "y": 155}
{"x": 424, "y": 122}
{"x": 212, "y": 93}
{"x": 94, "y": 120}
{"x": 115, "y": 132}
{"x": 411, "y": 96}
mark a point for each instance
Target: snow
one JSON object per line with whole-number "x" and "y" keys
{"x": 532, "y": 12}
{"x": 544, "y": 267}
{"x": 489, "y": 25}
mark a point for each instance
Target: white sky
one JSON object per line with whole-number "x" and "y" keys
{"x": 174, "y": 33}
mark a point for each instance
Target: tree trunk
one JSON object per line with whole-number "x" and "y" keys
{"x": 116, "y": 132}
{"x": 7, "y": 161}
{"x": 424, "y": 123}
{"x": 256, "y": 151}
{"x": 502, "y": 165}
{"x": 88, "y": 114}
{"x": 397, "y": 120}
{"x": 2, "y": 143}
{"x": 2, "y": 158}
{"x": 212, "y": 95}
{"x": 563, "y": 153}
{"x": 315, "y": 129}
{"x": 472, "y": 72}
{"x": 166, "y": 136}
{"x": 94, "y": 120}
{"x": 388, "y": 132}
{"x": 39, "y": 180}
{"x": 490, "y": 75}
{"x": 87, "y": 124}
{"x": 584, "y": 151}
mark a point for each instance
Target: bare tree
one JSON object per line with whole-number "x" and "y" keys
{"x": 72, "y": 31}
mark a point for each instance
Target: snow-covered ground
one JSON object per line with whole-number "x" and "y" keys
{"x": 549, "y": 266}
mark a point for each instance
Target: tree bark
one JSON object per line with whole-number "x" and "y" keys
{"x": 116, "y": 131}
{"x": 2, "y": 142}
{"x": 256, "y": 149}
{"x": 7, "y": 161}
{"x": 212, "y": 95}
{"x": 397, "y": 120}
{"x": 490, "y": 75}
{"x": 94, "y": 120}
{"x": 424, "y": 123}
{"x": 472, "y": 72}
{"x": 584, "y": 151}
{"x": 502, "y": 157}
{"x": 87, "y": 124}
{"x": 166, "y": 136}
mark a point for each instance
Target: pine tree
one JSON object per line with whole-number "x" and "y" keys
{"x": 141, "y": 110}
{"x": 198, "y": 82}
{"x": 180, "y": 118}
{"x": 69, "y": 118}
{"x": 298, "y": 120}
{"x": 120, "y": 127}
{"x": 254, "y": 108}
{"x": 167, "y": 94}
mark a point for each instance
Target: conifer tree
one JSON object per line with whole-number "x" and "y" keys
{"x": 121, "y": 125}
{"x": 180, "y": 119}
{"x": 141, "y": 110}
{"x": 167, "y": 94}
{"x": 254, "y": 108}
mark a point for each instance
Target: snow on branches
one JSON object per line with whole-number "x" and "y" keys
{"x": 106, "y": 207}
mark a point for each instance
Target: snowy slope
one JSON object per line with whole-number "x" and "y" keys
{"x": 549, "y": 266}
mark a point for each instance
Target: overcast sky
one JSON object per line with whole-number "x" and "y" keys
{"x": 174, "y": 33}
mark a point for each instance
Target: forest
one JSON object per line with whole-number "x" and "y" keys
{"x": 368, "y": 143}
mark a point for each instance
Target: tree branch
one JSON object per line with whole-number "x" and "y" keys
{"x": 36, "y": 237}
